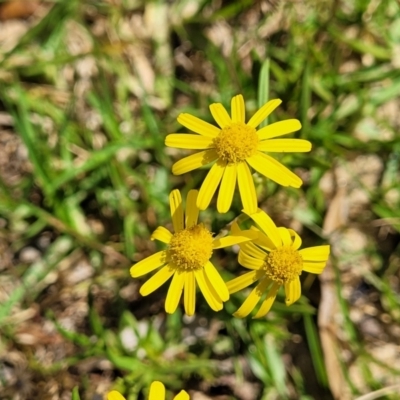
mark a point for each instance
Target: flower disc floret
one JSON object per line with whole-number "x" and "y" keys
{"x": 283, "y": 265}
{"x": 236, "y": 142}
{"x": 191, "y": 248}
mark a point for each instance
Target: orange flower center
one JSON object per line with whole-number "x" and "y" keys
{"x": 191, "y": 248}
{"x": 283, "y": 264}
{"x": 236, "y": 142}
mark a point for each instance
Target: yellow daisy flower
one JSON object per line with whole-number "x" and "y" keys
{"x": 187, "y": 258}
{"x": 236, "y": 145}
{"x": 157, "y": 392}
{"x": 275, "y": 260}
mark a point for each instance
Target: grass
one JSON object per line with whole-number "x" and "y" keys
{"x": 91, "y": 90}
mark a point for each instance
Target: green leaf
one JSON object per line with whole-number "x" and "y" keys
{"x": 75, "y": 393}
{"x": 75, "y": 337}
{"x": 126, "y": 363}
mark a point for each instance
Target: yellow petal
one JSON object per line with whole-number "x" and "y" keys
{"x": 246, "y": 188}
{"x": 263, "y": 112}
{"x": 194, "y": 161}
{"x": 208, "y": 291}
{"x": 216, "y": 281}
{"x": 252, "y": 233}
{"x": 269, "y": 300}
{"x": 243, "y": 281}
{"x": 192, "y": 211}
{"x": 149, "y": 264}
{"x": 187, "y": 141}
{"x": 114, "y": 395}
{"x": 162, "y": 234}
{"x": 157, "y": 391}
{"x": 210, "y": 184}
{"x": 182, "y": 395}
{"x": 274, "y": 170}
{"x": 249, "y": 262}
{"x": 281, "y": 146}
{"x": 227, "y": 189}
{"x": 237, "y": 109}
{"x": 279, "y": 129}
{"x": 317, "y": 253}
{"x": 220, "y": 115}
{"x": 248, "y": 306}
{"x": 176, "y": 206}
{"x": 285, "y": 236}
{"x": 157, "y": 280}
{"x": 174, "y": 292}
{"x": 227, "y": 241}
{"x": 315, "y": 267}
{"x": 254, "y": 251}
{"x": 264, "y": 242}
{"x": 292, "y": 291}
{"x": 296, "y": 239}
{"x": 198, "y": 125}
{"x": 235, "y": 228}
{"x": 268, "y": 226}
{"x": 190, "y": 293}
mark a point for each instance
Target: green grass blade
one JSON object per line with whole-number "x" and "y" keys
{"x": 94, "y": 161}
{"x": 37, "y": 153}
{"x": 36, "y": 273}
{"x": 316, "y": 351}
{"x": 263, "y": 87}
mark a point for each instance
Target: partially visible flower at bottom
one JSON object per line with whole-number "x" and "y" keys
{"x": 114, "y": 395}
{"x": 157, "y": 392}
{"x": 275, "y": 260}
{"x": 187, "y": 258}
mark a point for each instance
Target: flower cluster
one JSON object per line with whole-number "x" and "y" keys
{"x": 271, "y": 253}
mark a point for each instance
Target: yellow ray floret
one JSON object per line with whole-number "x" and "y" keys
{"x": 157, "y": 392}
{"x": 187, "y": 258}
{"x": 235, "y": 146}
{"x": 274, "y": 260}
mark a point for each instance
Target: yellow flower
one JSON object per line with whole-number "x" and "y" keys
{"x": 236, "y": 145}
{"x": 187, "y": 258}
{"x": 157, "y": 392}
{"x": 275, "y": 260}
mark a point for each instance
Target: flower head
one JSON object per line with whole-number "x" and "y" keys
{"x": 157, "y": 392}
{"x": 274, "y": 260}
{"x": 187, "y": 258}
{"x": 236, "y": 146}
